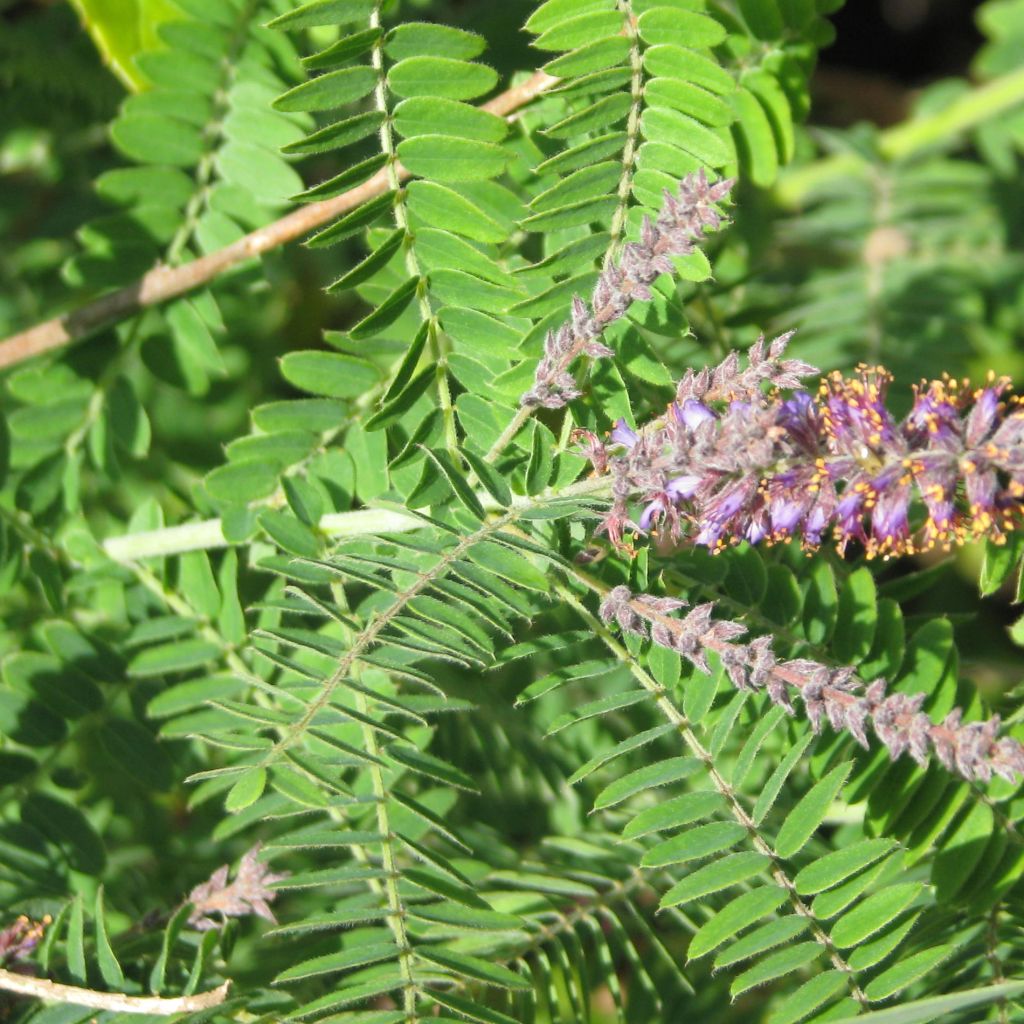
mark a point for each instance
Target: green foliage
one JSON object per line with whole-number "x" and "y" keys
{"x": 282, "y": 560}
{"x": 122, "y": 35}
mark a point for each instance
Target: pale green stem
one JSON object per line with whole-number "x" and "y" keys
{"x": 523, "y": 413}
{"x": 903, "y": 140}
{"x": 207, "y": 534}
{"x": 392, "y": 872}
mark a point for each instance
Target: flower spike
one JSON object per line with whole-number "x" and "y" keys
{"x": 683, "y": 221}
{"x": 973, "y": 750}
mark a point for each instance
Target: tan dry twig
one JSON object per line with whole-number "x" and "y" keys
{"x": 116, "y": 1002}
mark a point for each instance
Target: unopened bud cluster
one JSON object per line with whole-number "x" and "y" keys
{"x": 974, "y": 750}
{"x": 682, "y": 221}
{"x": 217, "y": 899}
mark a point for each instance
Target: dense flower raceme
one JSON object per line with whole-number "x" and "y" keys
{"x": 971, "y": 749}
{"x": 681, "y": 222}
{"x": 731, "y": 460}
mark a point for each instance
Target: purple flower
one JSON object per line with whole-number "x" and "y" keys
{"x": 653, "y": 512}
{"x": 683, "y": 487}
{"x": 720, "y": 514}
{"x": 855, "y": 416}
{"x": 663, "y": 505}
{"x": 936, "y": 411}
{"x": 815, "y": 525}
{"x": 983, "y": 416}
{"x": 890, "y": 513}
{"x": 248, "y": 893}
{"x": 622, "y": 434}
{"x": 20, "y": 938}
{"x": 798, "y": 415}
{"x": 692, "y": 413}
{"x": 758, "y": 526}
{"x": 786, "y": 516}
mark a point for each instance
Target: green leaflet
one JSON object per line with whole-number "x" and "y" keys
{"x": 247, "y": 790}
{"x": 447, "y": 158}
{"x": 624, "y": 747}
{"x": 649, "y": 776}
{"x": 323, "y": 12}
{"x": 435, "y": 115}
{"x": 662, "y": 25}
{"x": 440, "y": 76}
{"x": 475, "y": 968}
{"x": 898, "y": 977}
{"x": 740, "y": 913}
{"x": 698, "y": 842}
{"x": 804, "y": 819}
{"x": 333, "y": 89}
{"x": 149, "y": 137}
{"x": 596, "y": 55}
{"x": 121, "y": 35}
{"x": 675, "y": 62}
{"x": 333, "y": 962}
{"x": 873, "y": 913}
{"x": 337, "y": 135}
{"x": 551, "y": 13}
{"x": 414, "y": 38}
{"x": 673, "y": 814}
{"x": 345, "y": 49}
{"x": 929, "y": 1009}
{"x": 767, "y": 936}
{"x": 331, "y": 374}
{"x": 809, "y": 996}
{"x": 109, "y": 967}
{"x": 840, "y": 864}
{"x": 435, "y": 204}
{"x": 855, "y": 617}
{"x": 776, "y": 965}
{"x": 579, "y": 31}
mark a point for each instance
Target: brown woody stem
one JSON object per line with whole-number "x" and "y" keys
{"x": 164, "y": 282}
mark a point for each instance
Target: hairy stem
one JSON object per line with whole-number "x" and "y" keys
{"x": 396, "y": 908}
{"x": 412, "y": 264}
{"x": 368, "y": 637}
{"x": 636, "y": 89}
{"x": 994, "y": 960}
{"x": 523, "y": 413}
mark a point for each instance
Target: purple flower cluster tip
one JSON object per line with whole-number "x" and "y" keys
{"x": 20, "y": 938}
{"x": 734, "y": 459}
